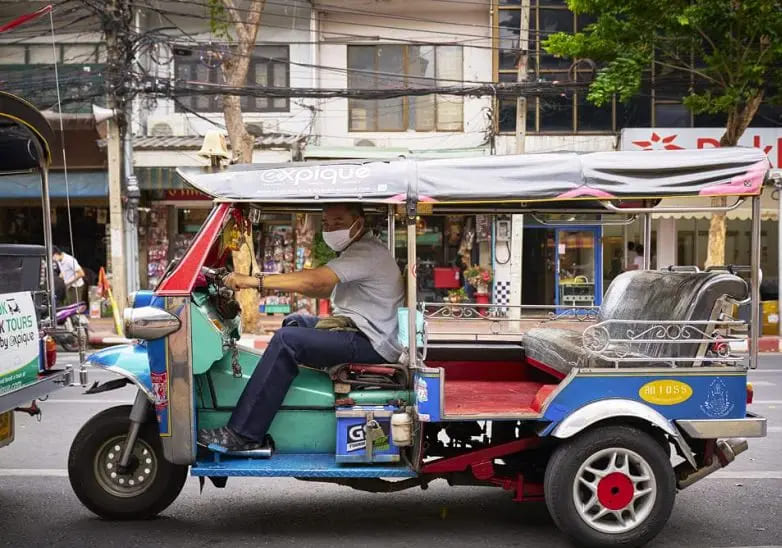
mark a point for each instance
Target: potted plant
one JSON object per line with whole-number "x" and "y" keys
{"x": 457, "y": 296}
{"x": 480, "y": 278}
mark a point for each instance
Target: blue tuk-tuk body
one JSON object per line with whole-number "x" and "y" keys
{"x": 583, "y": 411}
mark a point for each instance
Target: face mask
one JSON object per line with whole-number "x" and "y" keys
{"x": 338, "y": 240}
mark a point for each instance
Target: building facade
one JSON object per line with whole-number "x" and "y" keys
{"x": 360, "y": 44}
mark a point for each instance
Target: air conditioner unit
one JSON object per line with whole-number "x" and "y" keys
{"x": 167, "y": 126}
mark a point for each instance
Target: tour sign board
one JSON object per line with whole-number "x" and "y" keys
{"x": 19, "y": 340}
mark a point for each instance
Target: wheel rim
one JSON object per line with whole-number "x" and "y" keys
{"x": 132, "y": 483}
{"x": 614, "y": 490}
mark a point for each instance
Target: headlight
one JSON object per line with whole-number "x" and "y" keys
{"x": 149, "y": 323}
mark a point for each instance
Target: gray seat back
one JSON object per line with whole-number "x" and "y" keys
{"x": 660, "y": 295}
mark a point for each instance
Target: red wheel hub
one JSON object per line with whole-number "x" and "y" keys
{"x": 615, "y": 491}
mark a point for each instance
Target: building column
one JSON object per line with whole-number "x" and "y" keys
{"x": 666, "y": 242}
{"x": 516, "y": 255}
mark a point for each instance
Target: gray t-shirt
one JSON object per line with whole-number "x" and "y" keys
{"x": 369, "y": 292}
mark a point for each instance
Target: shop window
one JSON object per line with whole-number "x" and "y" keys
{"x": 401, "y": 66}
{"x": 768, "y": 115}
{"x": 556, "y": 113}
{"x": 671, "y": 115}
{"x": 509, "y": 21}
{"x": 592, "y": 117}
{"x": 28, "y": 71}
{"x": 269, "y": 66}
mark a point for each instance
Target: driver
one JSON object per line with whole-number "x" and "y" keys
{"x": 365, "y": 285}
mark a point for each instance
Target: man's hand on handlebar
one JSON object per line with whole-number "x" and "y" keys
{"x": 237, "y": 281}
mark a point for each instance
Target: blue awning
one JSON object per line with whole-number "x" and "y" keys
{"x": 81, "y": 184}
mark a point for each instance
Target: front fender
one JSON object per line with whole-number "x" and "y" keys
{"x": 130, "y": 361}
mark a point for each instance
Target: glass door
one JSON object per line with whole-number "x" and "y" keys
{"x": 578, "y": 266}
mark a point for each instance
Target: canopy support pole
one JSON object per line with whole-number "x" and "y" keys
{"x": 647, "y": 237}
{"x": 755, "y": 325}
{"x": 391, "y": 231}
{"x": 412, "y": 286}
{"x": 47, "y": 237}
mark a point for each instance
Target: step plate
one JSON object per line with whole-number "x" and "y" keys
{"x": 299, "y": 466}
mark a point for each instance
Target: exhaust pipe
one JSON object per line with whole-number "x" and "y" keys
{"x": 727, "y": 449}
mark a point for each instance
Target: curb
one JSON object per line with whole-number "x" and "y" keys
{"x": 258, "y": 342}
{"x": 106, "y": 339}
{"x": 765, "y": 344}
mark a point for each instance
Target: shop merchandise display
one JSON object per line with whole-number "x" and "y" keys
{"x": 157, "y": 244}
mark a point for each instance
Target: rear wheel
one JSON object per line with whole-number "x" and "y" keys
{"x": 146, "y": 488}
{"x": 610, "y": 486}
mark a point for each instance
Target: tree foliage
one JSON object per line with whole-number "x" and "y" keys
{"x": 728, "y": 51}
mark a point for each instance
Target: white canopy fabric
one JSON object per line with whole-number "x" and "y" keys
{"x": 513, "y": 178}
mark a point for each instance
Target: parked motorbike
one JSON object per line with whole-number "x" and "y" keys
{"x": 71, "y": 317}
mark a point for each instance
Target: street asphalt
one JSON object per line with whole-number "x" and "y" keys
{"x": 739, "y": 506}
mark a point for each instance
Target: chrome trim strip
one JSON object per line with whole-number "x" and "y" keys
{"x": 750, "y": 427}
{"x": 179, "y": 446}
{"x": 131, "y": 377}
{"x": 592, "y": 413}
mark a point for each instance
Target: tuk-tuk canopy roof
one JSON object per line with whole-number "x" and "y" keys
{"x": 526, "y": 177}
{"x": 21, "y": 124}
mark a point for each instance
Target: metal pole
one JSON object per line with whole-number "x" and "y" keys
{"x": 779, "y": 255}
{"x": 132, "y": 193}
{"x": 116, "y": 223}
{"x": 755, "y": 325}
{"x": 521, "y": 100}
{"x": 412, "y": 287}
{"x": 647, "y": 236}
{"x": 391, "y": 231}
{"x": 47, "y": 234}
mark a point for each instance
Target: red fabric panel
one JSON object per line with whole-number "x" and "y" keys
{"x": 540, "y": 398}
{"x": 472, "y": 397}
{"x": 488, "y": 371}
{"x": 545, "y": 368}
{"x": 183, "y": 278}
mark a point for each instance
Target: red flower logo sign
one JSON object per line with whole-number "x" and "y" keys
{"x": 659, "y": 143}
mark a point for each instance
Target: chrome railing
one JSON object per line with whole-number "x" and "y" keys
{"x": 639, "y": 341}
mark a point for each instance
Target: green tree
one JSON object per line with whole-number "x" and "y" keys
{"x": 728, "y": 51}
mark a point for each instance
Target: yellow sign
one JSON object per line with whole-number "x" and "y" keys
{"x": 6, "y": 428}
{"x": 665, "y": 392}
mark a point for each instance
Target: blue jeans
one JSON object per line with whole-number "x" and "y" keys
{"x": 296, "y": 342}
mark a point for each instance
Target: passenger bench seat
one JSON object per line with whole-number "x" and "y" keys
{"x": 638, "y": 295}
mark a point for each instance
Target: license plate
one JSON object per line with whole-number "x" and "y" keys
{"x": 6, "y": 428}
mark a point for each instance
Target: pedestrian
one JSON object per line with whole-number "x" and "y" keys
{"x": 631, "y": 255}
{"x": 71, "y": 273}
{"x": 638, "y": 262}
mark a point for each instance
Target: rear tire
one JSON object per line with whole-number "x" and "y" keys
{"x": 610, "y": 486}
{"x": 147, "y": 489}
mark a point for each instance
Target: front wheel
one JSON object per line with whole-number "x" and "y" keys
{"x": 610, "y": 486}
{"x": 146, "y": 488}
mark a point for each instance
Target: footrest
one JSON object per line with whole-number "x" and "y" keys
{"x": 259, "y": 453}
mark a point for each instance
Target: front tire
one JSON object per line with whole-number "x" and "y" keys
{"x": 610, "y": 486}
{"x": 148, "y": 488}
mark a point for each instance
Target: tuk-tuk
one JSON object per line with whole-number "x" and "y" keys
{"x": 28, "y": 354}
{"x": 604, "y": 423}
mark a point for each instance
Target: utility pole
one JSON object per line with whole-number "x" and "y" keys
{"x": 521, "y": 100}
{"x": 113, "y": 17}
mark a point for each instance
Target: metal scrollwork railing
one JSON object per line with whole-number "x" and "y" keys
{"x": 649, "y": 341}
{"x": 505, "y": 318}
